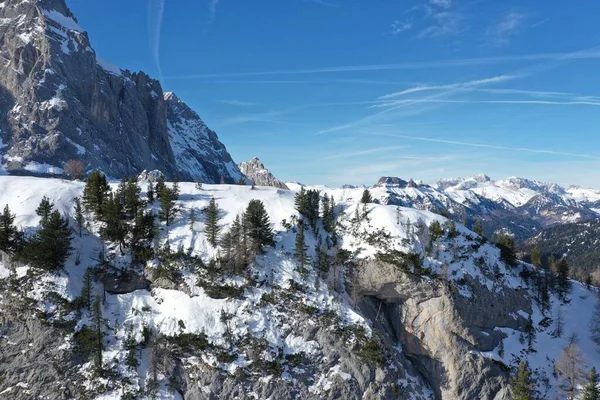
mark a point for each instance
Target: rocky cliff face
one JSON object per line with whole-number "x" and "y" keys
{"x": 58, "y": 102}
{"x": 256, "y": 171}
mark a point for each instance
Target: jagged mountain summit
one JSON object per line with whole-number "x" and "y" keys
{"x": 256, "y": 171}
{"x": 59, "y": 101}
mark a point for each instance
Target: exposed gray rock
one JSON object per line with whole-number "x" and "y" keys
{"x": 60, "y": 102}
{"x": 256, "y": 171}
{"x": 442, "y": 332}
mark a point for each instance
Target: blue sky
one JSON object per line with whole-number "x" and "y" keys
{"x": 345, "y": 91}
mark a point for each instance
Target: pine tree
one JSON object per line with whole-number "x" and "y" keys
{"x": 95, "y": 192}
{"x": 256, "y": 221}
{"x": 150, "y": 193}
{"x": 131, "y": 198}
{"x": 322, "y": 256}
{"x": 536, "y": 257}
{"x": 590, "y": 390}
{"x": 212, "y": 228}
{"x": 10, "y": 238}
{"x": 522, "y": 385}
{"x": 300, "y": 202}
{"x": 595, "y": 322}
{"x": 79, "y": 215}
{"x": 559, "y": 321}
{"x": 563, "y": 278}
{"x": 143, "y": 232}
{"x": 478, "y": 228}
{"x": 192, "y": 219}
{"x": 366, "y": 197}
{"x": 328, "y": 218}
{"x": 44, "y": 210}
{"x": 50, "y": 247}
{"x": 301, "y": 248}
{"x": 86, "y": 289}
{"x": 160, "y": 186}
{"x": 115, "y": 229}
{"x": 168, "y": 209}
{"x": 98, "y": 321}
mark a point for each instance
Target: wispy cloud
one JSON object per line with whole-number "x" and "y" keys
{"x": 495, "y": 79}
{"x": 510, "y": 24}
{"x": 444, "y": 23}
{"x": 212, "y": 14}
{"x": 363, "y": 152}
{"x": 400, "y": 26}
{"x": 322, "y": 2}
{"x": 489, "y": 146}
{"x": 587, "y": 54}
{"x": 539, "y": 102}
{"x": 155, "y": 20}
{"x": 238, "y": 103}
{"x": 441, "y": 3}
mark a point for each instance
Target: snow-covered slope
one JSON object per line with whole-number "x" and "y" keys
{"x": 444, "y": 318}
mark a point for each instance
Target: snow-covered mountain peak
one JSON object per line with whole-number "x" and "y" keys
{"x": 256, "y": 171}
{"x": 76, "y": 106}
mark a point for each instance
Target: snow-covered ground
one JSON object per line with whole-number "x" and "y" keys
{"x": 172, "y": 312}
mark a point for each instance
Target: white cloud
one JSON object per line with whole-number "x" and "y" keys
{"x": 489, "y": 146}
{"x": 441, "y": 3}
{"x": 401, "y": 26}
{"x": 468, "y": 84}
{"x": 363, "y": 152}
{"x": 580, "y": 55}
{"x": 238, "y": 103}
{"x": 444, "y": 23}
{"x": 510, "y": 24}
{"x": 155, "y": 21}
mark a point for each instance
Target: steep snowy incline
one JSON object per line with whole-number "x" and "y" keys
{"x": 405, "y": 309}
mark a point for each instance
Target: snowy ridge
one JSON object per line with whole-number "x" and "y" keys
{"x": 468, "y": 265}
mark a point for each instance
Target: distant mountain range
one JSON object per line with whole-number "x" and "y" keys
{"x": 517, "y": 205}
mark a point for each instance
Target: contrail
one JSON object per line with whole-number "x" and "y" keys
{"x": 487, "y": 146}
{"x": 155, "y": 20}
{"x": 542, "y": 102}
{"x": 212, "y": 14}
{"x": 590, "y": 54}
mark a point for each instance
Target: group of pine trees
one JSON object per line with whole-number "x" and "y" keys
{"x": 48, "y": 248}
{"x": 250, "y": 232}
{"x": 313, "y": 207}
{"x": 549, "y": 276}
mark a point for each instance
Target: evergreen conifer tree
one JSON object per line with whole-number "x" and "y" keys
{"x": 50, "y": 247}
{"x": 150, "y": 193}
{"x": 478, "y": 228}
{"x": 522, "y": 385}
{"x": 590, "y": 390}
{"x": 192, "y": 219}
{"x": 86, "y": 289}
{"x": 563, "y": 278}
{"x": 212, "y": 227}
{"x": 10, "y": 238}
{"x": 301, "y": 248}
{"x": 168, "y": 197}
{"x": 366, "y": 197}
{"x": 115, "y": 229}
{"x": 256, "y": 221}
{"x": 44, "y": 210}
{"x": 79, "y": 219}
{"x": 95, "y": 192}
{"x": 98, "y": 321}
